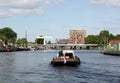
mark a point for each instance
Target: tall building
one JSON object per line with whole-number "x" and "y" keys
{"x": 77, "y": 36}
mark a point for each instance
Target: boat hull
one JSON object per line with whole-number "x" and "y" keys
{"x": 70, "y": 62}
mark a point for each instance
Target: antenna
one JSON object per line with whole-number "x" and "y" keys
{"x": 26, "y": 37}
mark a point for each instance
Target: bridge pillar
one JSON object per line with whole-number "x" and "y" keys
{"x": 87, "y": 47}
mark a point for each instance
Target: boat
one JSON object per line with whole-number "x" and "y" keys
{"x": 66, "y": 57}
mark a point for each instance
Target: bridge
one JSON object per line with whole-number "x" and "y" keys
{"x": 67, "y": 46}
{"x": 61, "y": 46}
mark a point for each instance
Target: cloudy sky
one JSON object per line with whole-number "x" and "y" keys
{"x": 56, "y": 17}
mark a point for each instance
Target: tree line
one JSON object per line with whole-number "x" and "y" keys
{"x": 9, "y": 36}
{"x": 102, "y": 38}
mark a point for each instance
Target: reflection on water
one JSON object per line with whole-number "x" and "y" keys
{"x": 34, "y": 67}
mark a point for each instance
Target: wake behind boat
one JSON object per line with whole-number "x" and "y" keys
{"x": 66, "y": 57}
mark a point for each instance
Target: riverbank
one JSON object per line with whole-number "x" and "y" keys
{"x": 12, "y": 49}
{"x": 114, "y": 53}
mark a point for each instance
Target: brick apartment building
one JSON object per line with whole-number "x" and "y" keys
{"x": 76, "y": 37}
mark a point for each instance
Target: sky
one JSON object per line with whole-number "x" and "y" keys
{"x": 56, "y": 17}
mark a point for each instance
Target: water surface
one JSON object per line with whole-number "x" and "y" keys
{"x": 34, "y": 67}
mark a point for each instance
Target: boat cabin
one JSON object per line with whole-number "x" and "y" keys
{"x": 66, "y": 54}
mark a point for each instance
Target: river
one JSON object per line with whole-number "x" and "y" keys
{"x": 34, "y": 67}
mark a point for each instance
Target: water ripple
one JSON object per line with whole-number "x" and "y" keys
{"x": 34, "y": 67}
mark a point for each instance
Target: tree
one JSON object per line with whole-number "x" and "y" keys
{"x": 49, "y": 42}
{"x": 22, "y": 41}
{"x": 3, "y": 38}
{"x": 19, "y": 41}
{"x": 92, "y": 39}
{"x": 104, "y": 37}
{"x": 117, "y": 37}
{"x": 39, "y": 40}
{"x": 111, "y": 37}
{"x": 8, "y": 35}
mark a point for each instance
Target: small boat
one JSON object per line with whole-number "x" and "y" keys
{"x": 66, "y": 57}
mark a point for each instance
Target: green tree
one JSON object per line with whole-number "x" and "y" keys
{"x": 8, "y": 35}
{"x": 111, "y": 37}
{"x": 49, "y": 42}
{"x": 19, "y": 41}
{"x": 117, "y": 37}
{"x": 39, "y": 40}
{"x": 92, "y": 39}
{"x": 104, "y": 37}
{"x": 22, "y": 41}
{"x": 3, "y": 38}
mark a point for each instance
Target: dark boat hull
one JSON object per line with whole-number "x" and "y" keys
{"x": 70, "y": 62}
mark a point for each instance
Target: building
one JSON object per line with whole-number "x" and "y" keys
{"x": 77, "y": 36}
{"x": 63, "y": 41}
{"x": 113, "y": 42}
{"x": 42, "y": 39}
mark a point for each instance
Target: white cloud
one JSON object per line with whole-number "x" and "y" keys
{"x": 115, "y": 3}
{"x": 4, "y": 14}
{"x": 26, "y": 11}
{"x": 21, "y": 4}
{"x": 24, "y": 7}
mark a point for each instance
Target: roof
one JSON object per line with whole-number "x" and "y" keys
{"x": 44, "y": 37}
{"x": 113, "y": 42}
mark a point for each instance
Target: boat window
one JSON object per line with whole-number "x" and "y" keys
{"x": 60, "y": 53}
{"x": 70, "y": 55}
